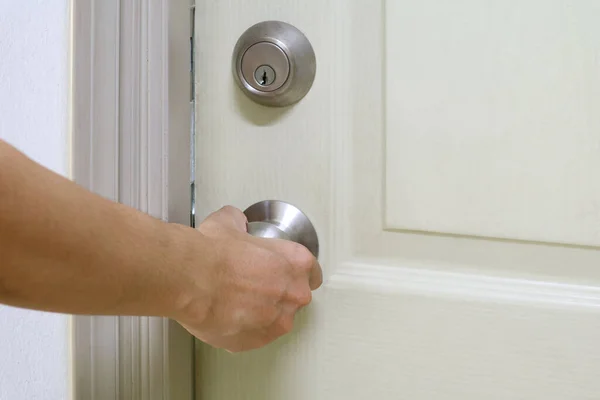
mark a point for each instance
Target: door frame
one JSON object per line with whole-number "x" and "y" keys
{"x": 130, "y": 141}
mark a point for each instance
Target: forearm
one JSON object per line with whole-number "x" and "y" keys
{"x": 65, "y": 249}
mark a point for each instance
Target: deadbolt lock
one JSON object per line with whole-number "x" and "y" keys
{"x": 274, "y": 64}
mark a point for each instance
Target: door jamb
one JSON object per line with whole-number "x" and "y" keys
{"x": 130, "y": 142}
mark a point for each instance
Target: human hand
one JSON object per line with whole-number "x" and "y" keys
{"x": 250, "y": 288}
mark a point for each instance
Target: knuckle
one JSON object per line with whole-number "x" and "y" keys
{"x": 266, "y": 320}
{"x": 261, "y": 341}
{"x": 285, "y": 324}
{"x": 231, "y": 210}
{"x": 228, "y": 209}
{"x": 267, "y": 317}
{"x": 230, "y": 216}
{"x": 303, "y": 298}
{"x": 303, "y": 257}
{"x": 248, "y": 342}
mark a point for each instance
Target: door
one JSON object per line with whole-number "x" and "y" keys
{"x": 448, "y": 154}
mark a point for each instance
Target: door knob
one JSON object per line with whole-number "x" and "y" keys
{"x": 280, "y": 220}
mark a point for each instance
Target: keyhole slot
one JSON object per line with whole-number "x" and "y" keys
{"x": 264, "y": 75}
{"x": 263, "y": 80}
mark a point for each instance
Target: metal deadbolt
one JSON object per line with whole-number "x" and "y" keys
{"x": 274, "y": 64}
{"x": 280, "y": 220}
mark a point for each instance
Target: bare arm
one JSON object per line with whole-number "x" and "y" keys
{"x": 64, "y": 249}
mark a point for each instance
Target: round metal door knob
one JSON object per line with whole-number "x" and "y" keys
{"x": 280, "y": 220}
{"x": 274, "y": 64}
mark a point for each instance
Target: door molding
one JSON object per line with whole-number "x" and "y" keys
{"x": 130, "y": 142}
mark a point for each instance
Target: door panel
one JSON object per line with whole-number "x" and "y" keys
{"x": 492, "y": 118}
{"x": 448, "y": 156}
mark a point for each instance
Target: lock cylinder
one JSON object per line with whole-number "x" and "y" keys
{"x": 265, "y": 67}
{"x": 274, "y": 64}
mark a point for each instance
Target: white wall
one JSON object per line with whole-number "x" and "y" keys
{"x": 33, "y": 116}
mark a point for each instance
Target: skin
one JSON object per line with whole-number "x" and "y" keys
{"x": 64, "y": 249}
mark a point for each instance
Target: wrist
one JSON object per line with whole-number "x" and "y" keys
{"x": 191, "y": 264}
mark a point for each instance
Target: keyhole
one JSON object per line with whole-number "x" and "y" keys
{"x": 263, "y": 80}
{"x": 264, "y": 75}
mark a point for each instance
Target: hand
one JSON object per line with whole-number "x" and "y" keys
{"x": 252, "y": 288}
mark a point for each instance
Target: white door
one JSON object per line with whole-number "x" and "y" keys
{"x": 449, "y": 156}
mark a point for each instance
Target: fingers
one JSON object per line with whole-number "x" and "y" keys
{"x": 231, "y": 217}
{"x": 254, "y": 336}
{"x": 264, "y": 284}
{"x": 304, "y": 262}
{"x": 282, "y": 326}
{"x": 251, "y": 340}
{"x": 301, "y": 259}
{"x": 315, "y": 279}
{"x": 246, "y": 341}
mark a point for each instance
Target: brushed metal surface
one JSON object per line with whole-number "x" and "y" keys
{"x": 281, "y": 220}
{"x": 268, "y": 55}
{"x": 270, "y": 43}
